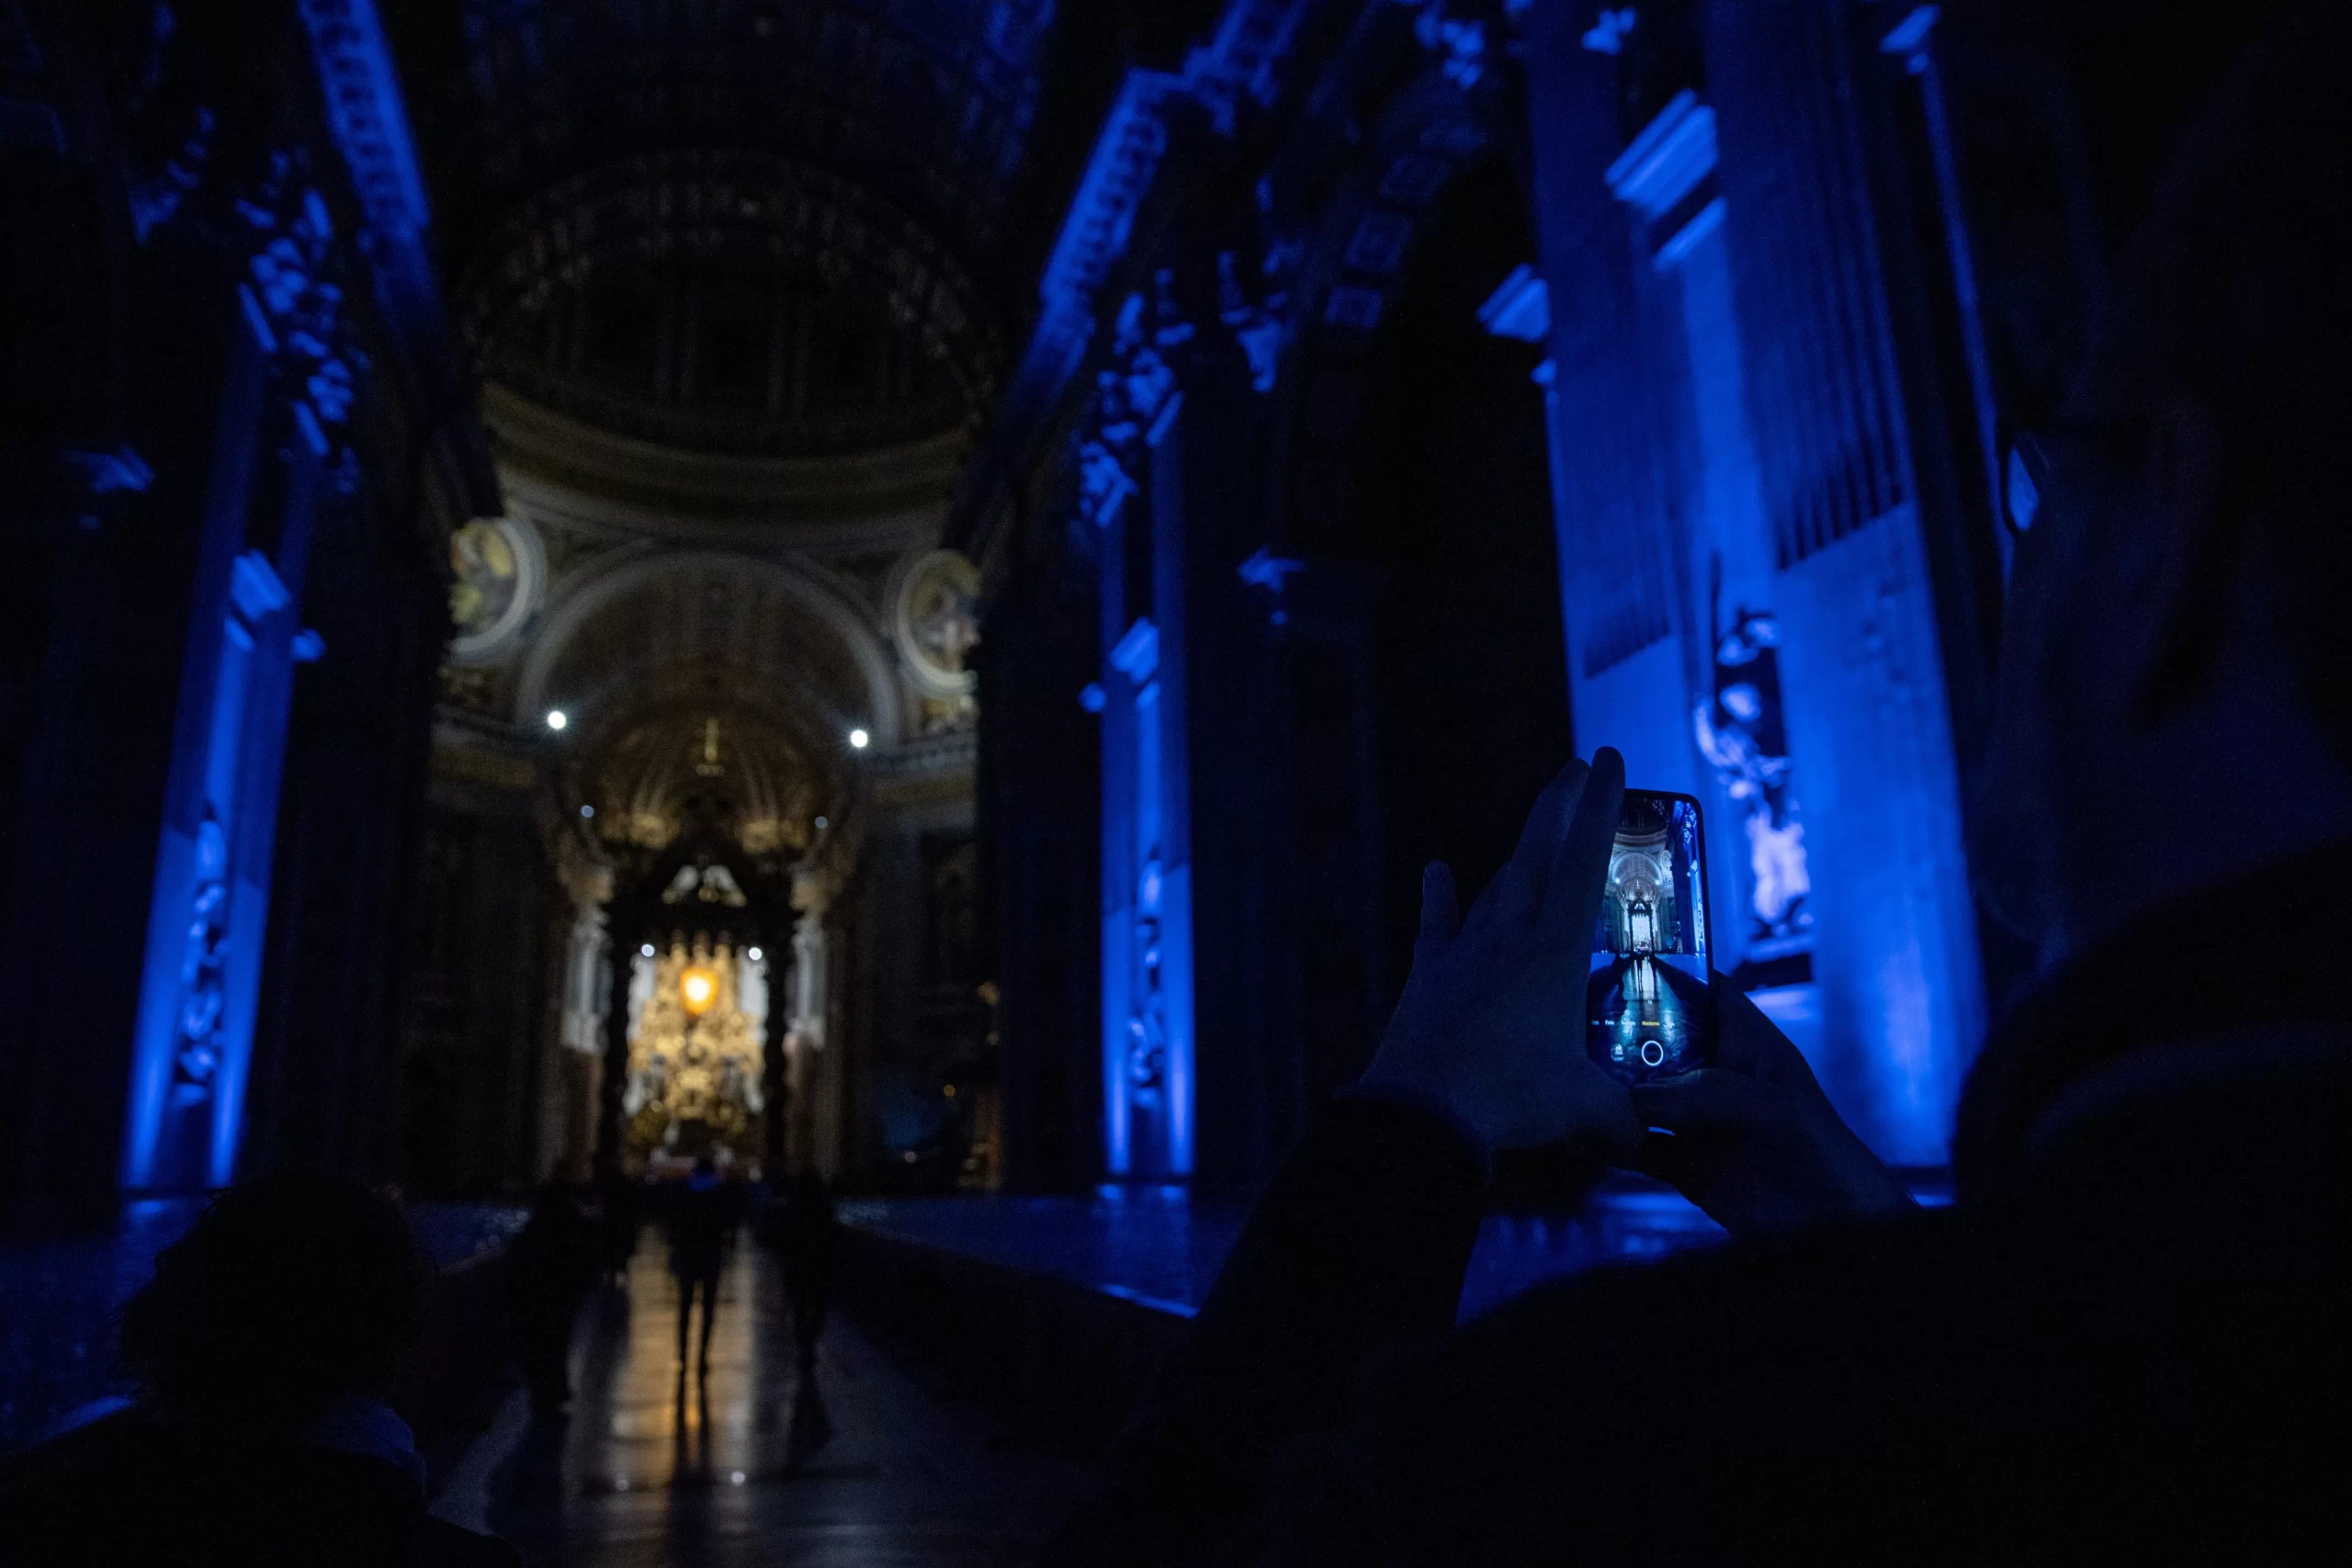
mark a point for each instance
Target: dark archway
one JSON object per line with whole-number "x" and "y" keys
{"x": 1450, "y": 492}
{"x": 1430, "y": 683}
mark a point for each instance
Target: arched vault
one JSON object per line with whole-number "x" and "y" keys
{"x": 755, "y": 631}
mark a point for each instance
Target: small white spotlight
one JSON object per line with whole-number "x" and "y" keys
{"x": 858, "y": 739}
{"x": 754, "y": 954}
{"x": 587, "y": 810}
{"x": 646, "y": 950}
{"x": 822, "y": 824}
{"x": 558, "y": 718}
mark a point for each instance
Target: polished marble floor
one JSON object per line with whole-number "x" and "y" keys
{"x": 650, "y": 1468}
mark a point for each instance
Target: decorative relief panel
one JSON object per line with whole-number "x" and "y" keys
{"x": 497, "y": 579}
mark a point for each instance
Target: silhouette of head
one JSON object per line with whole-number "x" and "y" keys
{"x": 2176, "y": 628}
{"x": 290, "y": 1292}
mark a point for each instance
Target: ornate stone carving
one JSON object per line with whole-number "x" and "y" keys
{"x": 1608, "y": 35}
{"x": 1259, "y": 326}
{"x": 1131, "y": 391}
{"x": 1147, "y": 1023}
{"x": 298, "y": 302}
{"x": 204, "y": 967}
{"x": 1459, "y": 45}
{"x": 1740, "y": 730}
{"x": 171, "y": 134}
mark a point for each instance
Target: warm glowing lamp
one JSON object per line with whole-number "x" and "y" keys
{"x": 697, "y": 988}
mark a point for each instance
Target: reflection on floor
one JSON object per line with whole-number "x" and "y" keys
{"x": 651, "y": 1470}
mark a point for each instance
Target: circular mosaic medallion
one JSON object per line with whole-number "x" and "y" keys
{"x": 497, "y": 574}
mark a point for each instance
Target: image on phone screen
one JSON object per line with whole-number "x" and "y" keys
{"x": 1649, "y": 1014}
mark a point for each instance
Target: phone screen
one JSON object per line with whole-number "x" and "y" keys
{"x": 1650, "y": 1014}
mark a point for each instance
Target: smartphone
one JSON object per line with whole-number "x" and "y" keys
{"x": 1649, "y": 1012}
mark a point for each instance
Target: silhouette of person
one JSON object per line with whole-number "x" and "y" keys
{"x": 808, "y": 1244}
{"x": 803, "y": 1230}
{"x": 701, "y": 1220}
{"x": 551, "y": 1268}
{"x": 265, "y": 1350}
{"x": 616, "y": 1224}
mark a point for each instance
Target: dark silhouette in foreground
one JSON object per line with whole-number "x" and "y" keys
{"x": 264, "y": 1349}
{"x": 551, "y": 1268}
{"x": 2125, "y": 1338}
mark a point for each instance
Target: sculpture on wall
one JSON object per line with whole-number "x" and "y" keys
{"x": 1147, "y": 1024}
{"x": 202, "y": 976}
{"x": 1740, "y": 732}
{"x": 1259, "y": 326}
{"x": 1131, "y": 392}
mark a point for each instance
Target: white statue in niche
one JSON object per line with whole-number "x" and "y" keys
{"x": 1740, "y": 733}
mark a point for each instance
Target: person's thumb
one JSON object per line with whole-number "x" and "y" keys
{"x": 1708, "y": 1101}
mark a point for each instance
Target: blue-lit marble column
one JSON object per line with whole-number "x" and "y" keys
{"x": 200, "y": 986}
{"x": 1147, "y": 907}
{"x": 1622, "y": 563}
{"x": 1869, "y": 712}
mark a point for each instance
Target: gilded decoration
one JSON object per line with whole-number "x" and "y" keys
{"x": 695, "y": 1058}
{"x": 470, "y": 687}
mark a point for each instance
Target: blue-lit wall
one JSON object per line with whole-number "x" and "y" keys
{"x": 325, "y": 239}
{"x": 1757, "y": 530}
{"x": 1733, "y": 428}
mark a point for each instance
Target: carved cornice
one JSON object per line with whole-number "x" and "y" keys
{"x": 1243, "y": 58}
{"x": 364, "y": 109}
{"x": 935, "y": 769}
{"x": 369, "y": 122}
{"x": 1101, "y": 214}
{"x": 871, "y": 500}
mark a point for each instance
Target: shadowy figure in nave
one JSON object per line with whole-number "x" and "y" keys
{"x": 805, "y": 1234}
{"x": 2125, "y": 1337}
{"x": 701, "y": 1215}
{"x": 266, "y": 1350}
{"x": 551, "y": 1268}
{"x": 617, "y": 1218}
{"x": 807, "y": 1238}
